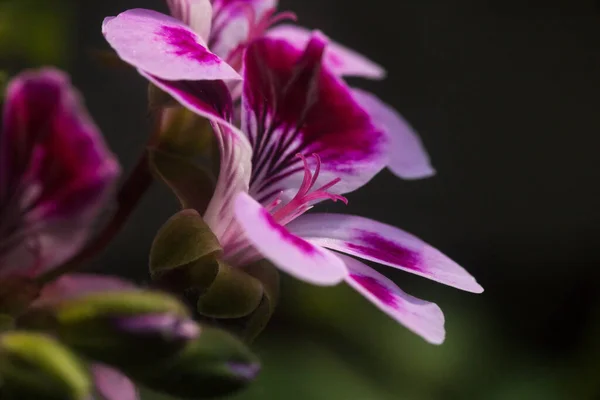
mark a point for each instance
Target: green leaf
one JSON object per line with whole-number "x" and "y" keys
{"x": 35, "y": 366}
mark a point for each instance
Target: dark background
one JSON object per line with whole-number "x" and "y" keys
{"x": 506, "y": 96}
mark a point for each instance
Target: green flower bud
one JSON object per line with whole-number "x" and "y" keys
{"x": 35, "y": 366}
{"x": 118, "y": 327}
{"x": 215, "y": 364}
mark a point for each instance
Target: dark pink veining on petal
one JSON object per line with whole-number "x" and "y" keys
{"x": 376, "y": 288}
{"x": 301, "y": 107}
{"x": 186, "y": 45}
{"x": 370, "y": 244}
{"x": 299, "y": 243}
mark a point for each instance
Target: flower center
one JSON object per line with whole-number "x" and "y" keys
{"x": 306, "y": 195}
{"x": 256, "y": 28}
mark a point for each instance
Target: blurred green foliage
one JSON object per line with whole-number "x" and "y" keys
{"x": 331, "y": 344}
{"x": 34, "y": 32}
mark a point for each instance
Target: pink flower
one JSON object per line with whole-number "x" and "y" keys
{"x": 306, "y": 137}
{"x": 56, "y": 174}
{"x": 177, "y": 59}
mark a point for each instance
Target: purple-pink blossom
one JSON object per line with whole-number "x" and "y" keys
{"x": 56, "y": 174}
{"x": 305, "y": 137}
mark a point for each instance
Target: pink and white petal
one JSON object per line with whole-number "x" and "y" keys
{"x": 233, "y": 22}
{"x": 163, "y": 47}
{"x": 207, "y": 98}
{"x": 80, "y": 284}
{"x": 339, "y": 59}
{"x": 292, "y": 254}
{"x": 112, "y": 384}
{"x": 292, "y": 104}
{"x": 234, "y": 177}
{"x": 408, "y": 158}
{"x": 422, "y": 317}
{"x": 197, "y": 14}
{"x": 382, "y": 243}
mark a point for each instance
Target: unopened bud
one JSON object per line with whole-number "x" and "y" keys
{"x": 35, "y": 366}
{"x": 214, "y": 364}
{"x": 119, "y": 327}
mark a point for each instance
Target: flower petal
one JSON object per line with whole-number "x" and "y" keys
{"x": 163, "y": 47}
{"x": 384, "y": 244}
{"x": 422, "y": 317}
{"x": 340, "y": 60}
{"x": 233, "y": 22}
{"x": 112, "y": 384}
{"x": 197, "y": 14}
{"x": 234, "y": 177}
{"x": 289, "y": 252}
{"x": 56, "y": 173}
{"x": 207, "y": 98}
{"x": 408, "y": 157}
{"x": 292, "y": 105}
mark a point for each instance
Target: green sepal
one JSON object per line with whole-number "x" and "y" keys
{"x": 215, "y": 364}
{"x": 35, "y": 366}
{"x": 232, "y": 294}
{"x": 184, "y": 253}
{"x": 250, "y": 326}
{"x": 184, "y": 133}
{"x": 192, "y": 184}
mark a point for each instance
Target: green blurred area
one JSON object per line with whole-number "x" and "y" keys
{"x": 331, "y": 344}
{"x": 34, "y": 33}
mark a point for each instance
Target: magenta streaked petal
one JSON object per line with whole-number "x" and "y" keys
{"x": 80, "y": 284}
{"x": 340, "y": 60}
{"x": 422, "y": 317}
{"x": 197, "y": 14}
{"x": 112, "y": 384}
{"x": 291, "y": 104}
{"x": 384, "y": 244}
{"x": 408, "y": 158}
{"x": 56, "y": 174}
{"x": 289, "y": 252}
{"x": 209, "y": 99}
{"x": 164, "y": 47}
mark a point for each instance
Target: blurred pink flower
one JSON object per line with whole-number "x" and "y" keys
{"x": 56, "y": 174}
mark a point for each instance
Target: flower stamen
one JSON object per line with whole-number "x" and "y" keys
{"x": 304, "y": 198}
